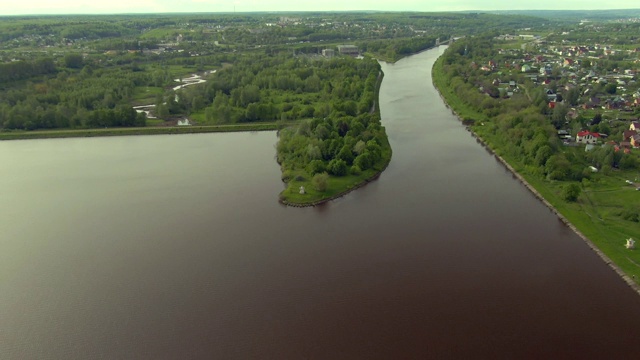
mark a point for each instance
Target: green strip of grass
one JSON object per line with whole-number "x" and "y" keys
{"x": 48, "y": 134}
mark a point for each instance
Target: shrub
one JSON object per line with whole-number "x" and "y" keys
{"x": 320, "y": 181}
{"x": 337, "y": 167}
{"x": 316, "y": 167}
{"x": 571, "y": 192}
{"x": 630, "y": 215}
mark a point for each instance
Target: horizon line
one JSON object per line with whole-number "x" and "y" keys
{"x": 311, "y": 11}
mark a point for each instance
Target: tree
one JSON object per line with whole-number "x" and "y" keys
{"x": 610, "y": 89}
{"x": 73, "y": 61}
{"x": 573, "y": 95}
{"x": 337, "y": 167}
{"x": 558, "y": 117}
{"x": 320, "y": 181}
{"x": 316, "y": 167}
{"x": 571, "y": 192}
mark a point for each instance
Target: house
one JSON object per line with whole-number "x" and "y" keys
{"x": 328, "y": 53}
{"x": 593, "y": 103}
{"x": 551, "y": 95}
{"x": 348, "y": 50}
{"x": 184, "y": 122}
{"x": 568, "y": 62}
{"x": 635, "y": 140}
{"x": 628, "y": 134}
{"x": 635, "y": 125}
{"x": 587, "y": 137}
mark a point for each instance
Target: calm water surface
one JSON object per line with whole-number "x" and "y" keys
{"x": 175, "y": 247}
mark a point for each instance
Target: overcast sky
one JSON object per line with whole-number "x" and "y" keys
{"x": 16, "y": 7}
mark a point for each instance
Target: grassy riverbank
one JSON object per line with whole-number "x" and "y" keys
{"x": 336, "y": 186}
{"x": 598, "y": 212}
{"x": 156, "y": 130}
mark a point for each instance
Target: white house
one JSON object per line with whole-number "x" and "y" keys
{"x": 587, "y": 137}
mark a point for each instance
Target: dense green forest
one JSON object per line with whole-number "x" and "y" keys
{"x": 347, "y": 142}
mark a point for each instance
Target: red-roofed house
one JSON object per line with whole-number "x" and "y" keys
{"x": 587, "y": 137}
{"x": 635, "y": 126}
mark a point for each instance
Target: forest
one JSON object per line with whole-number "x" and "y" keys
{"x": 81, "y": 72}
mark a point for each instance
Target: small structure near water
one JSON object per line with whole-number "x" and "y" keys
{"x": 631, "y": 244}
{"x": 184, "y": 122}
{"x": 302, "y": 192}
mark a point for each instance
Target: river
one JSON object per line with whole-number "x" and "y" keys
{"x": 175, "y": 246}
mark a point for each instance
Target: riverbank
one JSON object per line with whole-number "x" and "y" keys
{"x": 575, "y": 219}
{"x": 156, "y": 130}
{"x": 301, "y": 203}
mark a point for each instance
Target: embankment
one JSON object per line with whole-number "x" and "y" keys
{"x": 535, "y": 192}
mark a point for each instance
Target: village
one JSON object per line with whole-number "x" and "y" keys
{"x": 592, "y": 91}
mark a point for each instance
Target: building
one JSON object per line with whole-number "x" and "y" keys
{"x": 348, "y": 50}
{"x": 587, "y": 137}
{"x": 328, "y": 53}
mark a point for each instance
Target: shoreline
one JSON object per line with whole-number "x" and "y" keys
{"x": 338, "y": 195}
{"x": 138, "y": 131}
{"x": 626, "y": 278}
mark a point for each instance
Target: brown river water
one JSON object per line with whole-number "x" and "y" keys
{"x": 175, "y": 247}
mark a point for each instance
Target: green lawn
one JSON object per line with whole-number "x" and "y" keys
{"x": 337, "y": 186}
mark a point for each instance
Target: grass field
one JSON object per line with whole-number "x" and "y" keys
{"x": 337, "y": 186}
{"x": 47, "y": 134}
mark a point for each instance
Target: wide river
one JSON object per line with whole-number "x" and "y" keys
{"x": 175, "y": 247}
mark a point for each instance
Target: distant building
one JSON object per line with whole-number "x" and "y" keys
{"x": 328, "y": 53}
{"x": 348, "y": 50}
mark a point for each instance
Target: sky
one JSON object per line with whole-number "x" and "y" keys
{"x": 13, "y": 7}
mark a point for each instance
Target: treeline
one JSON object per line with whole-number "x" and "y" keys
{"x": 338, "y": 144}
{"x": 20, "y": 70}
{"x": 75, "y": 99}
{"x": 87, "y": 28}
{"x": 395, "y": 49}
{"x": 277, "y": 87}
